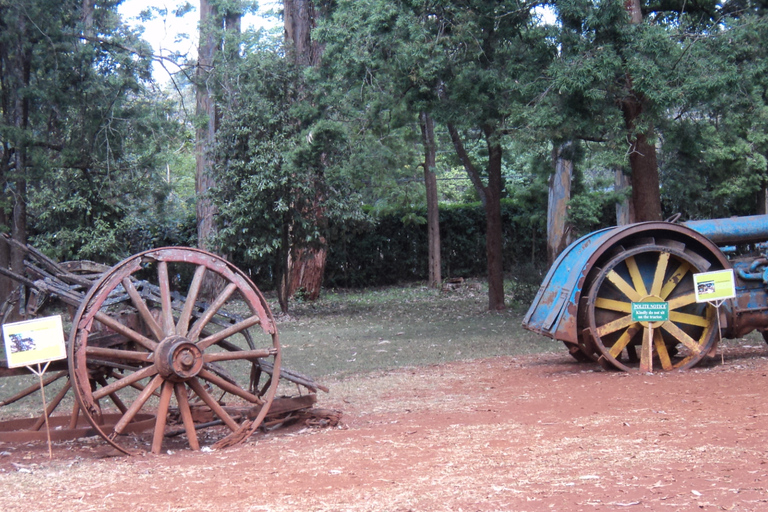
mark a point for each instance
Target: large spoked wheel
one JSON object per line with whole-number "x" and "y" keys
{"x": 146, "y": 345}
{"x": 651, "y": 272}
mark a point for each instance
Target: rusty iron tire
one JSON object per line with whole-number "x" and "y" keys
{"x": 144, "y": 342}
{"x": 652, "y": 270}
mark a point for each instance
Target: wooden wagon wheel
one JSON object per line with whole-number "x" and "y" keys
{"x": 171, "y": 354}
{"x": 653, "y": 271}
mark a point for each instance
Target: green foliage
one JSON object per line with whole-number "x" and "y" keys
{"x": 96, "y": 139}
{"x": 392, "y": 250}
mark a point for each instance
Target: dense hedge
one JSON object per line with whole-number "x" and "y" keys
{"x": 391, "y": 250}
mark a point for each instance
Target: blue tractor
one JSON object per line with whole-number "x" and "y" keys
{"x": 586, "y": 298}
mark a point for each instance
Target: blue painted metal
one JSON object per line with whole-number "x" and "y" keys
{"x": 561, "y": 287}
{"x": 753, "y": 228}
{"x": 554, "y": 310}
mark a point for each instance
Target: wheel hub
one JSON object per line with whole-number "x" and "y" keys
{"x": 178, "y": 359}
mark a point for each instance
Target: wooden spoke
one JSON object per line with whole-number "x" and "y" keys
{"x": 686, "y": 318}
{"x": 136, "y": 406}
{"x": 143, "y": 310}
{"x": 229, "y": 387}
{"x": 229, "y": 331}
{"x": 33, "y": 388}
{"x": 624, "y": 286}
{"x": 624, "y": 340}
{"x": 126, "y": 381}
{"x": 637, "y": 278}
{"x": 238, "y": 354}
{"x": 162, "y": 416}
{"x": 112, "y": 396}
{"x": 658, "y": 276}
{"x": 674, "y": 280}
{"x": 186, "y": 415}
{"x": 125, "y": 331}
{"x": 682, "y": 301}
{"x": 114, "y": 354}
{"x": 681, "y": 336}
{"x": 217, "y": 409}
{"x": 182, "y": 326}
{"x": 165, "y": 298}
{"x": 201, "y": 322}
{"x": 614, "y": 305}
{"x": 614, "y": 326}
{"x": 646, "y": 350}
{"x": 661, "y": 350}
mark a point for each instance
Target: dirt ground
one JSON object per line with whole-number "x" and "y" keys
{"x": 533, "y": 433}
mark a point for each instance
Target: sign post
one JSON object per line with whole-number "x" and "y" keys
{"x": 715, "y": 288}
{"x": 34, "y": 342}
{"x": 650, "y": 312}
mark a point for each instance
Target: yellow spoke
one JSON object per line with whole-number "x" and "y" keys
{"x": 646, "y": 350}
{"x": 614, "y": 326}
{"x": 658, "y": 277}
{"x": 624, "y": 340}
{"x": 682, "y": 337}
{"x": 661, "y": 349}
{"x": 624, "y": 287}
{"x": 637, "y": 278}
{"x": 682, "y": 301}
{"x": 686, "y": 318}
{"x": 674, "y": 280}
{"x": 613, "y": 305}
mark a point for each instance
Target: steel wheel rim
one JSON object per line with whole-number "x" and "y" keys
{"x": 179, "y": 354}
{"x": 658, "y": 271}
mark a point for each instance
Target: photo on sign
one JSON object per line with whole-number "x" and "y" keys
{"x": 21, "y": 342}
{"x": 706, "y": 287}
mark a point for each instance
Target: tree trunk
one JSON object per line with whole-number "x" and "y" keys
{"x": 307, "y": 267}
{"x": 299, "y": 20}
{"x": 624, "y": 213}
{"x": 206, "y": 132}
{"x": 494, "y": 232}
{"x": 490, "y": 197}
{"x": 646, "y": 198}
{"x": 305, "y": 262}
{"x": 559, "y": 195}
{"x": 433, "y": 211}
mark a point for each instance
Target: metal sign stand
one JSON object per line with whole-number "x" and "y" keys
{"x": 39, "y": 372}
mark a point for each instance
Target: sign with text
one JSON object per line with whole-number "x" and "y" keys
{"x": 34, "y": 341}
{"x": 650, "y": 311}
{"x": 717, "y": 285}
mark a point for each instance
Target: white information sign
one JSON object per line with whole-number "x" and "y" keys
{"x": 34, "y": 341}
{"x": 713, "y": 286}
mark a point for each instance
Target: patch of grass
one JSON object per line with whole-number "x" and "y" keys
{"x": 352, "y": 332}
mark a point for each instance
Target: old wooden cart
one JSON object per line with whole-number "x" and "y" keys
{"x": 150, "y": 362}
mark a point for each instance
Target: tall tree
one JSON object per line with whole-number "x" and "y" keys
{"x": 430, "y": 186}
{"x": 305, "y": 267}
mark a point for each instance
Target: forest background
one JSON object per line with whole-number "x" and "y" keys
{"x": 369, "y": 142}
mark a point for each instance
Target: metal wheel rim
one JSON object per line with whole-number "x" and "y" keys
{"x": 171, "y": 339}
